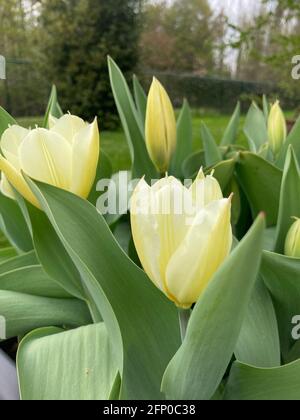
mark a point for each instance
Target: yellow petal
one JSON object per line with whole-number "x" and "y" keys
{"x": 145, "y": 232}
{"x": 17, "y": 180}
{"x": 46, "y": 156}
{"x": 68, "y": 127}
{"x": 205, "y": 190}
{"x": 5, "y": 187}
{"x": 52, "y": 121}
{"x": 160, "y": 226}
{"x": 11, "y": 140}
{"x": 203, "y": 250}
{"x": 85, "y": 157}
{"x": 160, "y": 127}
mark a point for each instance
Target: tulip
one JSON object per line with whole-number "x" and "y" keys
{"x": 182, "y": 236}
{"x": 160, "y": 127}
{"x": 277, "y": 128}
{"x": 65, "y": 156}
{"x": 292, "y": 243}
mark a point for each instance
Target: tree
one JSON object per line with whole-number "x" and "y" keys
{"x": 76, "y": 37}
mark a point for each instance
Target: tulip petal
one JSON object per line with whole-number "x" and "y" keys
{"x": 5, "y": 187}
{"x": 201, "y": 253}
{"x": 205, "y": 190}
{"x": 17, "y": 180}
{"x": 68, "y": 126}
{"x": 46, "y": 156}
{"x": 160, "y": 226}
{"x": 11, "y": 140}
{"x": 85, "y": 159}
{"x": 144, "y": 232}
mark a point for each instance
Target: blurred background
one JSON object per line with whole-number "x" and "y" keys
{"x": 213, "y": 52}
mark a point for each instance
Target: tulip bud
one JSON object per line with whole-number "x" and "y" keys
{"x": 65, "y": 156}
{"x": 160, "y": 127}
{"x": 292, "y": 243}
{"x": 277, "y": 129}
{"x": 181, "y": 247}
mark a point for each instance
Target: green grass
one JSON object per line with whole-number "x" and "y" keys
{"x": 113, "y": 143}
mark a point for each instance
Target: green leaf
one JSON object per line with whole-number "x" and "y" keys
{"x": 184, "y": 140}
{"x": 66, "y": 365}
{"x": 13, "y": 224}
{"x": 24, "y": 260}
{"x": 192, "y": 164}
{"x": 53, "y": 107}
{"x": 104, "y": 171}
{"x": 266, "y": 108}
{"x": 258, "y": 343}
{"x": 7, "y": 253}
{"x": 131, "y": 306}
{"x": 5, "y": 120}
{"x": 212, "y": 152}
{"x": 261, "y": 182}
{"x": 142, "y": 164}
{"x": 289, "y": 205}
{"x": 23, "y": 312}
{"x": 255, "y": 128}
{"x": 140, "y": 99}
{"x": 292, "y": 140}
{"x": 281, "y": 276}
{"x": 31, "y": 280}
{"x": 250, "y": 383}
{"x": 198, "y": 367}
{"x": 231, "y": 131}
{"x": 223, "y": 172}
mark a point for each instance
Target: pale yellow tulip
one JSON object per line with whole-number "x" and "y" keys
{"x": 160, "y": 127}
{"x": 292, "y": 243}
{"x": 65, "y": 156}
{"x": 277, "y": 128}
{"x": 182, "y": 236}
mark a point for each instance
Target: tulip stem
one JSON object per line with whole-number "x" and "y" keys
{"x": 184, "y": 317}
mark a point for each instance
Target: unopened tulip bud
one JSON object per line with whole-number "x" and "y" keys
{"x": 160, "y": 127}
{"x": 292, "y": 243}
{"x": 277, "y": 129}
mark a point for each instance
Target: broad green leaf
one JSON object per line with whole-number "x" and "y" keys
{"x": 24, "y": 260}
{"x": 142, "y": 164}
{"x": 51, "y": 253}
{"x": 192, "y": 164}
{"x": 258, "y": 343}
{"x": 251, "y": 383}
{"x": 289, "y": 205}
{"x": 231, "y": 131}
{"x": 53, "y": 107}
{"x": 140, "y": 99}
{"x": 294, "y": 354}
{"x": 255, "y": 128}
{"x": 104, "y": 171}
{"x": 223, "y": 172}
{"x": 281, "y": 275}
{"x": 261, "y": 182}
{"x": 31, "y": 280}
{"x": 269, "y": 238}
{"x": 198, "y": 367}
{"x": 131, "y": 306}
{"x": 266, "y": 107}
{"x": 212, "y": 152}
{"x": 7, "y": 254}
{"x": 24, "y": 313}
{"x": 292, "y": 140}
{"x": 13, "y": 224}
{"x": 66, "y": 365}
{"x": 5, "y": 120}
{"x": 184, "y": 140}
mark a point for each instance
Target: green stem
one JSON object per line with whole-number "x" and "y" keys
{"x": 184, "y": 316}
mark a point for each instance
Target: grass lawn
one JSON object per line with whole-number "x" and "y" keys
{"x": 114, "y": 144}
